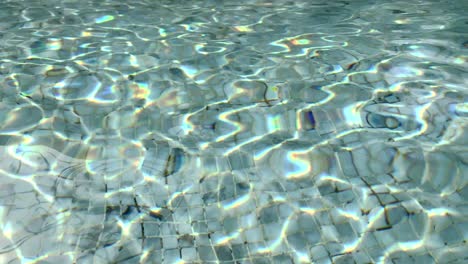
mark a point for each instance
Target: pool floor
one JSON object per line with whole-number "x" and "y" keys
{"x": 252, "y": 131}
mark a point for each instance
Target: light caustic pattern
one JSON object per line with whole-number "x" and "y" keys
{"x": 264, "y": 131}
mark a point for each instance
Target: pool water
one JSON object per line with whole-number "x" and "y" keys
{"x": 252, "y": 131}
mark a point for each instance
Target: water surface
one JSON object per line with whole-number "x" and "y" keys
{"x": 233, "y": 131}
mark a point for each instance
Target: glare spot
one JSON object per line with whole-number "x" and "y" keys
{"x": 243, "y": 29}
{"x": 86, "y": 34}
{"x": 299, "y": 42}
{"x": 8, "y": 230}
{"x": 460, "y": 60}
{"x": 301, "y": 164}
{"x": 402, "y": 21}
{"x": 273, "y": 123}
{"x": 225, "y": 239}
{"x": 190, "y": 71}
{"x": 133, "y": 61}
{"x": 54, "y": 44}
{"x": 237, "y": 202}
{"x": 441, "y": 212}
{"x": 352, "y": 114}
{"x": 104, "y": 19}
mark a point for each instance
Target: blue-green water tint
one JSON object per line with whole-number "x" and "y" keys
{"x": 233, "y": 132}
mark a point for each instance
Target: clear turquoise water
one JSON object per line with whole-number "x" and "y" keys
{"x": 233, "y": 131}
